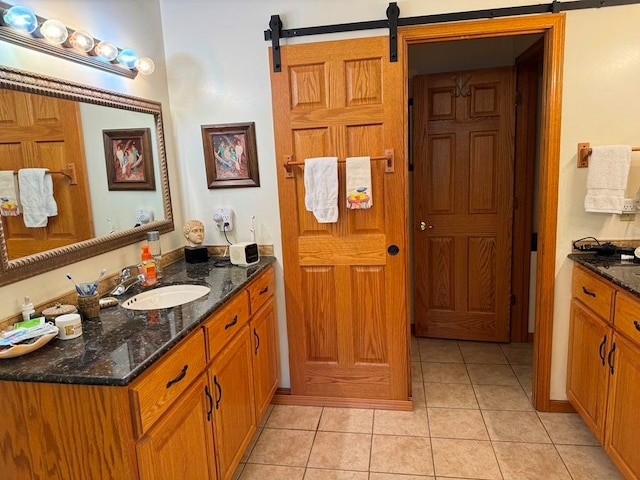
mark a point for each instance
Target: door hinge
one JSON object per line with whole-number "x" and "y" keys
{"x": 518, "y": 99}
{"x": 516, "y": 203}
{"x": 513, "y": 299}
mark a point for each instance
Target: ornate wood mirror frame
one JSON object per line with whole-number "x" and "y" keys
{"x": 24, "y": 267}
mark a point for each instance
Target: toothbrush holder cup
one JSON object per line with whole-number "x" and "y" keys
{"x": 89, "y": 305}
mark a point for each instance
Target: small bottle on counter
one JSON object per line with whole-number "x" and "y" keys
{"x": 148, "y": 266}
{"x": 153, "y": 239}
{"x": 28, "y": 312}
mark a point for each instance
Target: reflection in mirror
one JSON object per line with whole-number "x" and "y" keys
{"x": 58, "y": 125}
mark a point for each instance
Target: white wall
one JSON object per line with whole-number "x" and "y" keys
{"x": 218, "y": 73}
{"x": 134, "y": 24}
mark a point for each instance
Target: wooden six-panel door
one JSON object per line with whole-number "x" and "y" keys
{"x": 346, "y": 296}
{"x": 463, "y": 197}
{"x": 37, "y": 131}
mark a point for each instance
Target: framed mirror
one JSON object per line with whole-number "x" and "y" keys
{"x": 61, "y": 126}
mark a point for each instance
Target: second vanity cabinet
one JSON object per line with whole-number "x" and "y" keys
{"x": 603, "y": 373}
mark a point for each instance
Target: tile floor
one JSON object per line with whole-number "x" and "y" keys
{"x": 472, "y": 419}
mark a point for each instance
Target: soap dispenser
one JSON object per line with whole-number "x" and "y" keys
{"x": 148, "y": 266}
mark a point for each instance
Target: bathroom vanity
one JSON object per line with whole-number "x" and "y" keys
{"x": 603, "y": 373}
{"x": 170, "y": 393}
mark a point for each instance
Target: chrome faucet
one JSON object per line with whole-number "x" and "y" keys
{"x": 129, "y": 276}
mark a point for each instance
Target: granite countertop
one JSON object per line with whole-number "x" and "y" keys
{"x": 120, "y": 344}
{"x": 623, "y": 273}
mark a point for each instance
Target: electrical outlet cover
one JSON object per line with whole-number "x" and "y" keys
{"x": 222, "y": 216}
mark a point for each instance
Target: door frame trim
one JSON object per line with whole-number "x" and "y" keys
{"x": 552, "y": 26}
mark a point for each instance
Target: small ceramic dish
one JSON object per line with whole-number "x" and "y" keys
{"x": 17, "y": 350}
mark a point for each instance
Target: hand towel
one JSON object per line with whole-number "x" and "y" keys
{"x": 321, "y": 188}
{"x": 36, "y": 196}
{"x": 9, "y": 202}
{"x": 607, "y": 178}
{"x": 358, "y": 182}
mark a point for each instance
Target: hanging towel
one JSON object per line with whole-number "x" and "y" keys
{"x": 607, "y": 178}
{"x": 359, "y": 194}
{"x": 321, "y": 188}
{"x": 36, "y": 196}
{"x": 9, "y": 202}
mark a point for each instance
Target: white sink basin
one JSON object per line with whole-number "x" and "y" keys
{"x": 166, "y": 297}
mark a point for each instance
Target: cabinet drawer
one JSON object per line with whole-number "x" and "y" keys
{"x": 154, "y": 392}
{"x": 225, "y": 323}
{"x": 627, "y": 316}
{"x": 591, "y": 291}
{"x": 261, "y": 289}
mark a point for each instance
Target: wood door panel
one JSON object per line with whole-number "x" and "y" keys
{"x": 482, "y": 261}
{"x": 308, "y": 87}
{"x": 484, "y": 100}
{"x": 363, "y": 82}
{"x": 483, "y": 151}
{"x": 339, "y": 344}
{"x": 318, "y": 293}
{"x": 442, "y": 103}
{"x": 441, "y": 173}
{"x": 353, "y": 250}
{"x": 366, "y": 381}
{"x": 368, "y": 314}
{"x": 463, "y": 191}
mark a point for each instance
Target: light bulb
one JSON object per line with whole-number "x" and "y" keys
{"x": 81, "y": 40}
{"x": 106, "y": 50}
{"x": 21, "y": 18}
{"x": 128, "y": 57}
{"x": 145, "y": 66}
{"x": 54, "y": 31}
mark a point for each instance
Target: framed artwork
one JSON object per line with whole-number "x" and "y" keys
{"x": 129, "y": 159}
{"x": 230, "y": 155}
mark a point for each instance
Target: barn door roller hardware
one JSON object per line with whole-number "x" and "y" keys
{"x": 276, "y": 32}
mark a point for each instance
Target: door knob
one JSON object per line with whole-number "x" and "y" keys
{"x": 423, "y": 226}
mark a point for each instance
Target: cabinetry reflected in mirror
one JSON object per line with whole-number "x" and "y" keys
{"x": 56, "y": 124}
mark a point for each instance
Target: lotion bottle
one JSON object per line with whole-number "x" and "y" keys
{"x": 28, "y": 312}
{"x": 148, "y": 266}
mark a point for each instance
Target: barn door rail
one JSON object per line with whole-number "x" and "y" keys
{"x": 388, "y": 156}
{"x": 393, "y": 21}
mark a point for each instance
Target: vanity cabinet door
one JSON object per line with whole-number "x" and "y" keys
{"x": 180, "y": 444}
{"x": 623, "y": 414}
{"x": 587, "y": 370}
{"x": 231, "y": 382}
{"x": 265, "y": 356}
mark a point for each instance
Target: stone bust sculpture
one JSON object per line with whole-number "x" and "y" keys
{"x": 194, "y": 232}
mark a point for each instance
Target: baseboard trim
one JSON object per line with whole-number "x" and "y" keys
{"x": 283, "y": 397}
{"x": 561, "y": 406}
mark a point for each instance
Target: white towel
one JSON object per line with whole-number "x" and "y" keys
{"x": 607, "y": 178}
{"x": 358, "y": 181}
{"x": 9, "y": 201}
{"x": 36, "y": 196}
{"x": 321, "y": 188}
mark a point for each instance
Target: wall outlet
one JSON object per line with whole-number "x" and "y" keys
{"x": 629, "y": 205}
{"x": 223, "y": 218}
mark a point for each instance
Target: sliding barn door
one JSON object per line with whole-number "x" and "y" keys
{"x": 345, "y": 282}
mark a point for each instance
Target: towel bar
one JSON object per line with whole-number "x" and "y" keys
{"x": 388, "y": 156}
{"x": 69, "y": 172}
{"x": 584, "y": 150}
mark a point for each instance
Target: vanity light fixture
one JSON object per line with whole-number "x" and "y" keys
{"x": 19, "y": 25}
